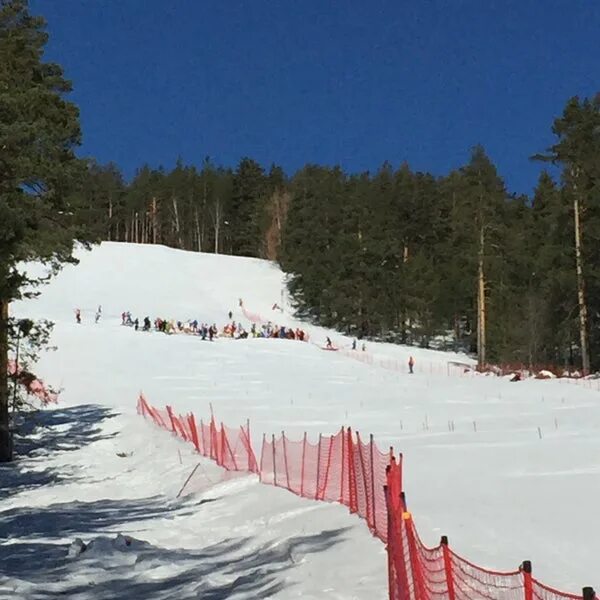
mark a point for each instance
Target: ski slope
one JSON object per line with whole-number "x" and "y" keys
{"x": 489, "y": 481}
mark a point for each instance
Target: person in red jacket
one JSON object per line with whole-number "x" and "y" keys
{"x": 411, "y": 364}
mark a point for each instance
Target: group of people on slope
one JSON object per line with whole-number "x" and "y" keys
{"x": 270, "y": 330}
{"x": 231, "y": 330}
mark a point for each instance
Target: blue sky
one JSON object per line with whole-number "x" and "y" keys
{"x": 350, "y": 83}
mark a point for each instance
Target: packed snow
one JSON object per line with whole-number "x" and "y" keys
{"x": 508, "y": 470}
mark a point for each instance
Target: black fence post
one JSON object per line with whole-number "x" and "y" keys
{"x": 589, "y": 593}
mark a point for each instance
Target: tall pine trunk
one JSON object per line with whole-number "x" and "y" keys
{"x": 481, "y": 316}
{"x": 583, "y": 336}
{"x": 5, "y": 434}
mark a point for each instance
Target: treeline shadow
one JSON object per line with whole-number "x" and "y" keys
{"x": 46, "y": 432}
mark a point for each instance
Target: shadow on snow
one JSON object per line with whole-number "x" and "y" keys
{"x": 45, "y": 432}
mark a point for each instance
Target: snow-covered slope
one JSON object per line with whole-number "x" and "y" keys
{"x": 491, "y": 484}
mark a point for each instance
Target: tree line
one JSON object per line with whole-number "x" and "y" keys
{"x": 456, "y": 262}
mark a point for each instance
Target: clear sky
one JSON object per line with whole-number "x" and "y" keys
{"x": 323, "y": 81}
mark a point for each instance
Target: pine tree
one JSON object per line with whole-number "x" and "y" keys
{"x": 578, "y": 152}
{"x": 39, "y": 130}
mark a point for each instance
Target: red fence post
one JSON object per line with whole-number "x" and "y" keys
{"x": 351, "y": 475}
{"x": 170, "y": 411}
{"x": 368, "y": 516}
{"x": 302, "y": 468}
{"x": 341, "y": 500}
{"x": 318, "y": 469}
{"x": 448, "y": 568}
{"x": 327, "y": 467}
{"x": 274, "y": 466}
{"x": 373, "y": 508}
{"x": 251, "y": 467}
{"x": 525, "y": 568}
{"x": 285, "y": 460}
{"x": 192, "y": 422}
{"x": 213, "y": 439}
{"x": 389, "y": 547}
{"x": 221, "y": 458}
{"x": 417, "y": 573}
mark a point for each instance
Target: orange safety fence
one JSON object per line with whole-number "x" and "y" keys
{"x": 338, "y": 468}
{"x": 417, "y": 572}
{"x": 345, "y": 469}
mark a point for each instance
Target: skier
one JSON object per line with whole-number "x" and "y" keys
{"x": 147, "y": 324}
{"x": 411, "y": 364}
{"x": 354, "y": 344}
{"x": 364, "y": 347}
{"x": 136, "y": 323}
{"x": 78, "y": 315}
{"x": 329, "y": 344}
{"x": 230, "y": 315}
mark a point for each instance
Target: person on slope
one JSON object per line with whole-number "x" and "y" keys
{"x": 354, "y": 344}
{"x": 78, "y": 315}
{"x": 230, "y": 315}
{"x": 98, "y": 313}
{"x": 329, "y": 344}
{"x": 411, "y": 364}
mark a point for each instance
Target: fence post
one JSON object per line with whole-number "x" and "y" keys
{"x": 327, "y": 467}
{"x": 262, "y": 456}
{"x": 223, "y": 438}
{"x": 417, "y": 573}
{"x": 318, "y": 468}
{"x": 341, "y": 500}
{"x": 368, "y": 506}
{"x": 302, "y": 468}
{"x": 390, "y": 545}
{"x": 274, "y": 466}
{"x": 170, "y": 411}
{"x": 194, "y": 432}
{"x": 285, "y": 460}
{"x": 213, "y": 440}
{"x": 448, "y": 568}
{"x": 589, "y": 593}
{"x": 400, "y": 464}
{"x": 202, "y": 442}
{"x": 352, "y": 505}
{"x": 527, "y": 580}
{"x": 371, "y": 451}
{"x": 249, "y": 451}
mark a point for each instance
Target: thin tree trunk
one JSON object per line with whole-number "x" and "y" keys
{"x": 481, "y": 315}
{"x": 583, "y": 335}
{"x": 198, "y": 232}
{"x": 154, "y": 228}
{"x": 110, "y": 215}
{"x": 217, "y": 224}
{"x": 176, "y": 222}
{"x": 5, "y": 434}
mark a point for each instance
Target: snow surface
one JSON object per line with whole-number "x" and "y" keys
{"x": 499, "y": 491}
